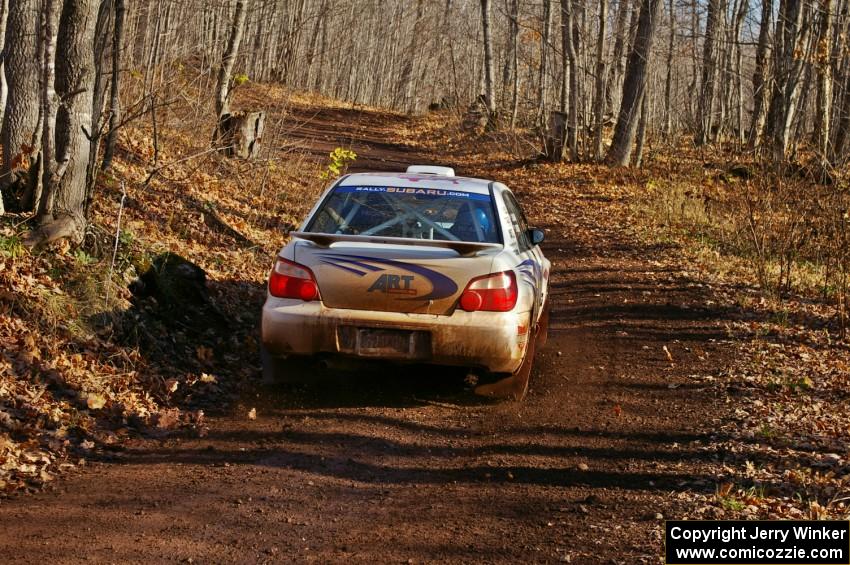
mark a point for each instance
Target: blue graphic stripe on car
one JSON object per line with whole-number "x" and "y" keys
{"x": 344, "y": 268}
{"x": 441, "y": 285}
{"x": 345, "y": 259}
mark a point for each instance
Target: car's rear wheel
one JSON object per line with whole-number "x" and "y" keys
{"x": 514, "y": 385}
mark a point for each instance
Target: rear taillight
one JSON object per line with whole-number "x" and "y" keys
{"x": 491, "y": 293}
{"x": 291, "y": 280}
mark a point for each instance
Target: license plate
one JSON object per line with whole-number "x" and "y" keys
{"x": 388, "y": 343}
{"x": 379, "y": 342}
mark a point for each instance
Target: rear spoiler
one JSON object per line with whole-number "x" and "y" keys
{"x": 465, "y": 248}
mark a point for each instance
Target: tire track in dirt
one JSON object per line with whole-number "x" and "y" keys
{"x": 406, "y": 465}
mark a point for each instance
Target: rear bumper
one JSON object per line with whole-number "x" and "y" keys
{"x": 495, "y": 341}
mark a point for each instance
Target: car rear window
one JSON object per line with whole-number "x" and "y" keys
{"x": 418, "y": 213}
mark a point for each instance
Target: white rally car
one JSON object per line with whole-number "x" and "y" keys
{"x": 415, "y": 267}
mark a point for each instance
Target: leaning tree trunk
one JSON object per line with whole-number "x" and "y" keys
{"x": 20, "y": 120}
{"x": 634, "y": 85}
{"x": 62, "y": 214}
{"x": 223, "y": 90}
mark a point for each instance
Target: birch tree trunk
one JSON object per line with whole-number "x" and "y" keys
{"x": 49, "y": 14}
{"x": 634, "y": 85}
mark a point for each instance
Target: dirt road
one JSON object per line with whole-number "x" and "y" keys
{"x": 402, "y": 466}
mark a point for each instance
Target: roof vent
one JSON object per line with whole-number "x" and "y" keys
{"x": 430, "y": 170}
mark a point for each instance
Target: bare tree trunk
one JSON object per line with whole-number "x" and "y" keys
{"x": 641, "y": 133}
{"x": 599, "y": 86}
{"x": 52, "y": 169}
{"x": 843, "y": 130}
{"x": 4, "y": 89}
{"x": 634, "y": 85}
{"x": 760, "y": 74}
{"x": 709, "y": 66}
{"x": 115, "y": 86}
{"x": 403, "y": 94}
{"x": 668, "y": 83}
{"x": 617, "y": 68}
{"x": 20, "y": 120}
{"x": 101, "y": 39}
{"x": 223, "y": 89}
{"x": 824, "y": 91}
{"x": 544, "y": 56}
{"x": 569, "y": 47}
{"x": 739, "y": 90}
{"x": 62, "y": 213}
{"x": 515, "y": 61}
{"x": 787, "y": 76}
{"x": 489, "y": 91}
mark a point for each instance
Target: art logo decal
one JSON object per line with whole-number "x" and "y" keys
{"x": 392, "y": 283}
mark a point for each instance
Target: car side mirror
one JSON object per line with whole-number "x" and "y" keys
{"x": 536, "y": 236}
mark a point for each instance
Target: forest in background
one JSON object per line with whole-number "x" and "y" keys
{"x": 591, "y": 81}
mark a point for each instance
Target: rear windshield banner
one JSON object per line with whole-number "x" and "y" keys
{"x": 415, "y": 191}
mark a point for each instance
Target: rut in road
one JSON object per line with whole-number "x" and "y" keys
{"x": 398, "y": 465}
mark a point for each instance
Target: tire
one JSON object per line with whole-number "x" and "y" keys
{"x": 284, "y": 370}
{"x": 514, "y": 385}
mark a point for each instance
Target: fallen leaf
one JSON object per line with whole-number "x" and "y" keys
{"x": 95, "y": 401}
